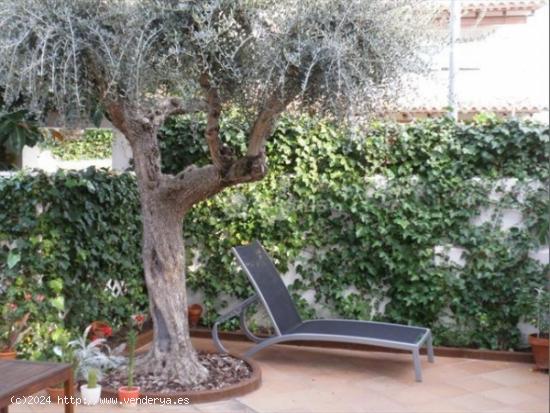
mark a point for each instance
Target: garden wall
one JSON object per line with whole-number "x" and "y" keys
{"x": 361, "y": 225}
{"x": 71, "y": 149}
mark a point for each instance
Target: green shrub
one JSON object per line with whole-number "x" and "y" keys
{"x": 62, "y": 238}
{"x": 94, "y": 144}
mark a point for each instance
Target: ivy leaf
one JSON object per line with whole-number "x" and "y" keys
{"x": 56, "y": 285}
{"x": 402, "y": 223}
{"x": 13, "y": 259}
{"x": 58, "y": 303}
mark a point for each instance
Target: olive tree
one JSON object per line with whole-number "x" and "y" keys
{"x": 140, "y": 62}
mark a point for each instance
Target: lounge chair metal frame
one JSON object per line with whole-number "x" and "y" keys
{"x": 279, "y": 337}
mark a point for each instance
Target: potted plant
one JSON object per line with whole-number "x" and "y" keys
{"x": 194, "y": 313}
{"x": 100, "y": 329}
{"x": 91, "y": 391}
{"x": 84, "y": 355}
{"x": 93, "y": 355}
{"x": 13, "y": 329}
{"x": 128, "y": 395}
{"x": 540, "y": 341}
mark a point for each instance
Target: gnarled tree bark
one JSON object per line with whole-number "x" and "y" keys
{"x": 165, "y": 199}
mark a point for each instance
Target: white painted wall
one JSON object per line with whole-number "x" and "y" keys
{"x": 39, "y": 158}
{"x": 501, "y": 65}
{"x": 122, "y": 153}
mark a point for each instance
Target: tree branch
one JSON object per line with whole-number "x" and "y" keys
{"x": 246, "y": 169}
{"x": 191, "y": 186}
{"x": 264, "y": 124}
{"x": 129, "y": 119}
{"x": 116, "y": 114}
{"x": 195, "y": 184}
{"x": 221, "y": 155}
{"x": 141, "y": 133}
{"x": 175, "y": 106}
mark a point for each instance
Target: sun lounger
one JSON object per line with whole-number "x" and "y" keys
{"x": 273, "y": 294}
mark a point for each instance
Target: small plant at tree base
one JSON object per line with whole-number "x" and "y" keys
{"x": 93, "y": 355}
{"x": 13, "y": 327}
{"x": 132, "y": 339}
{"x": 92, "y": 378}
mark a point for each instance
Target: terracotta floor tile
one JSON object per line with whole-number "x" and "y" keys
{"x": 510, "y": 396}
{"x": 512, "y": 409}
{"x": 477, "y": 402}
{"x": 539, "y": 389}
{"x": 536, "y": 408}
{"x": 513, "y": 376}
{"x": 316, "y": 380}
{"x": 27, "y": 409}
{"x": 229, "y": 406}
{"x": 423, "y": 393}
{"x": 475, "y": 383}
{"x": 440, "y": 407}
{"x": 481, "y": 366}
{"x": 444, "y": 361}
{"x": 381, "y": 384}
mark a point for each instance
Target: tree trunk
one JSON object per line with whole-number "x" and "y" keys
{"x": 171, "y": 357}
{"x": 165, "y": 199}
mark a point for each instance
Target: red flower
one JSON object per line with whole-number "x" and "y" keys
{"x": 138, "y": 320}
{"x": 106, "y": 330}
{"x": 11, "y": 306}
{"x": 39, "y": 298}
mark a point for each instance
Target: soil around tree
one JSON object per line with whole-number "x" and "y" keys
{"x": 228, "y": 376}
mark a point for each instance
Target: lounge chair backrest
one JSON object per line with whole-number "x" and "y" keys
{"x": 268, "y": 283}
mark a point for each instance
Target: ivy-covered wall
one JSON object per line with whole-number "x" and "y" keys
{"x": 358, "y": 220}
{"x": 63, "y": 239}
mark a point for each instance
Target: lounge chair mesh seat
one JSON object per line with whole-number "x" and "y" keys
{"x": 410, "y": 335}
{"x": 273, "y": 294}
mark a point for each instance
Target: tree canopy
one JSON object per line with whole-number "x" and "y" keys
{"x": 333, "y": 56}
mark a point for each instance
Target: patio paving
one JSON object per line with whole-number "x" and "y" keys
{"x": 300, "y": 379}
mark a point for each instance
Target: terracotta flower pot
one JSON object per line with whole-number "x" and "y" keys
{"x": 8, "y": 355}
{"x": 194, "y": 313}
{"x": 128, "y": 395}
{"x": 100, "y": 329}
{"x": 540, "y": 347}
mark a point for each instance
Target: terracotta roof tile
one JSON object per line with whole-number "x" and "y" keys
{"x": 474, "y": 109}
{"x": 489, "y": 6}
{"x": 496, "y": 5}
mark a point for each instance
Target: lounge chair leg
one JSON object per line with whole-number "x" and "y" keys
{"x": 417, "y": 366}
{"x": 230, "y": 314}
{"x": 246, "y": 330}
{"x": 430, "y": 348}
{"x": 216, "y": 339}
{"x": 263, "y": 344}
